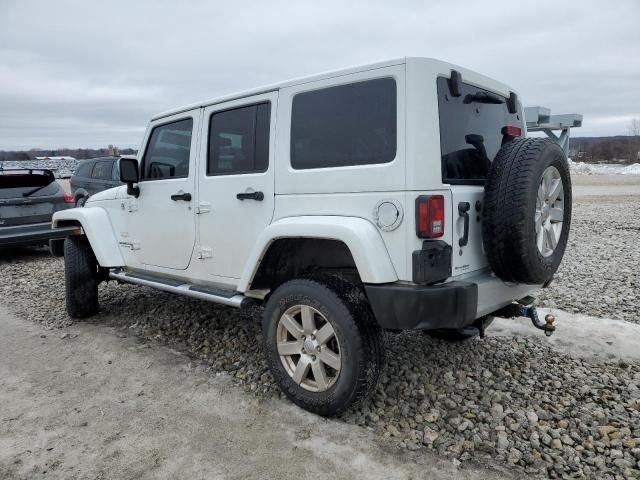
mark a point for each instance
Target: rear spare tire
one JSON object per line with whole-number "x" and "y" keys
{"x": 527, "y": 210}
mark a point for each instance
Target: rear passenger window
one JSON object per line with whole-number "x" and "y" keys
{"x": 346, "y": 125}
{"x": 102, "y": 170}
{"x": 239, "y": 140}
{"x": 168, "y": 150}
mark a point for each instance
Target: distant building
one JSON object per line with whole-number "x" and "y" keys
{"x": 574, "y": 153}
{"x": 56, "y": 158}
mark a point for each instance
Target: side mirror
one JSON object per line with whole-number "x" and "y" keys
{"x": 130, "y": 174}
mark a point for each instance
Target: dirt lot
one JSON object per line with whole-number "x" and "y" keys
{"x": 88, "y": 402}
{"x": 187, "y": 392}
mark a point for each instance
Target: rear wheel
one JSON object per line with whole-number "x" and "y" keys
{"x": 81, "y": 201}
{"x": 323, "y": 345}
{"x": 81, "y": 277}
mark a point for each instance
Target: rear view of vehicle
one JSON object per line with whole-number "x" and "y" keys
{"x": 510, "y": 195}
{"x": 28, "y": 200}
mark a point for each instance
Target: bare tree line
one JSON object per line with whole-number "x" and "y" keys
{"x": 78, "y": 153}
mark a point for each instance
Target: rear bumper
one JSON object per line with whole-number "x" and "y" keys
{"x": 34, "y": 234}
{"x": 453, "y": 304}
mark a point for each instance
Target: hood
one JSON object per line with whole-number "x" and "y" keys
{"x": 109, "y": 194}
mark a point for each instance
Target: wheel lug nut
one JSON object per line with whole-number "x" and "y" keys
{"x": 303, "y": 338}
{"x": 313, "y": 337}
{"x": 318, "y": 348}
{"x": 313, "y": 357}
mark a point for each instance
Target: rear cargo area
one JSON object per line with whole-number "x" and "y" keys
{"x": 28, "y": 196}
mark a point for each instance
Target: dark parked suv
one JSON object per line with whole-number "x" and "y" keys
{"x": 93, "y": 176}
{"x": 28, "y": 199}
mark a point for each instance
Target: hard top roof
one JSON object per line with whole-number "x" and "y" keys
{"x": 437, "y": 64}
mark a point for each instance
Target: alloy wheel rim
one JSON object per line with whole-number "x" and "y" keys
{"x": 308, "y": 348}
{"x": 549, "y": 216}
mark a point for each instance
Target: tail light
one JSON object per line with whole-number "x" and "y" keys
{"x": 69, "y": 198}
{"x": 430, "y": 216}
{"x": 511, "y": 131}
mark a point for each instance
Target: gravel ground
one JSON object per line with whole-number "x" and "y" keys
{"x": 507, "y": 401}
{"x": 600, "y": 272}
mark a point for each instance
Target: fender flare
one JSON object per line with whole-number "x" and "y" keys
{"x": 360, "y": 236}
{"x": 97, "y": 227}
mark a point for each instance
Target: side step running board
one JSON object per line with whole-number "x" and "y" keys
{"x": 225, "y": 297}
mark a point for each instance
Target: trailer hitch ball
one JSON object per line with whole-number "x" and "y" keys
{"x": 549, "y": 327}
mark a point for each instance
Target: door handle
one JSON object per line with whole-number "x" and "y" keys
{"x": 181, "y": 196}
{"x": 258, "y": 196}
{"x": 463, "y": 211}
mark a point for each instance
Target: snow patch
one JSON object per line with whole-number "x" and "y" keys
{"x": 582, "y": 168}
{"x": 579, "y": 335}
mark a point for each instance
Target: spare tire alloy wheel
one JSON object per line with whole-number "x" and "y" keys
{"x": 549, "y": 211}
{"x": 527, "y": 210}
{"x": 308, "y": 348}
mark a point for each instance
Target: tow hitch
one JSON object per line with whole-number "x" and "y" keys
{"x": 524, "y": 308}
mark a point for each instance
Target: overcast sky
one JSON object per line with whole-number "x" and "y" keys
{"x": 92, "y": 73}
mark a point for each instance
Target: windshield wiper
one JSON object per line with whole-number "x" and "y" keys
{"x": 31, "y": 192}
{"x": 483, "y": 97}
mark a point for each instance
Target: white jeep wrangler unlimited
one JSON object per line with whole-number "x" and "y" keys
{"x": 399, "y": 195}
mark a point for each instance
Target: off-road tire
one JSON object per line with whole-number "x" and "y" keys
{"x": 361, "y": 342}
{"x": 81, "y": 277}
{"x": 56, "y": 247}
{"x": 508, "y": 226}
{"x": 455, "y": 335}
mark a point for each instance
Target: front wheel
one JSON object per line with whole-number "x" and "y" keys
{"x": 322, "y": 343}
{"x": 81, "y": 274}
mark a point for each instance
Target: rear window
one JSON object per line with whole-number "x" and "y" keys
{"x": 346, "y": 125}
{"x": 471, "y": 131}
{"x": 15, "y": 183}
{"x": 239, "y": 140}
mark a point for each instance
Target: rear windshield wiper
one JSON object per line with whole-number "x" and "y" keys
{"x": 483, "y": 97}
{"x": 31, "y": 192}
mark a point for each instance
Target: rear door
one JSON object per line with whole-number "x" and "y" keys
{"x": 161, "y": 221}
{"x": 471, "y": 133}
{"x": 236, "y": 181}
